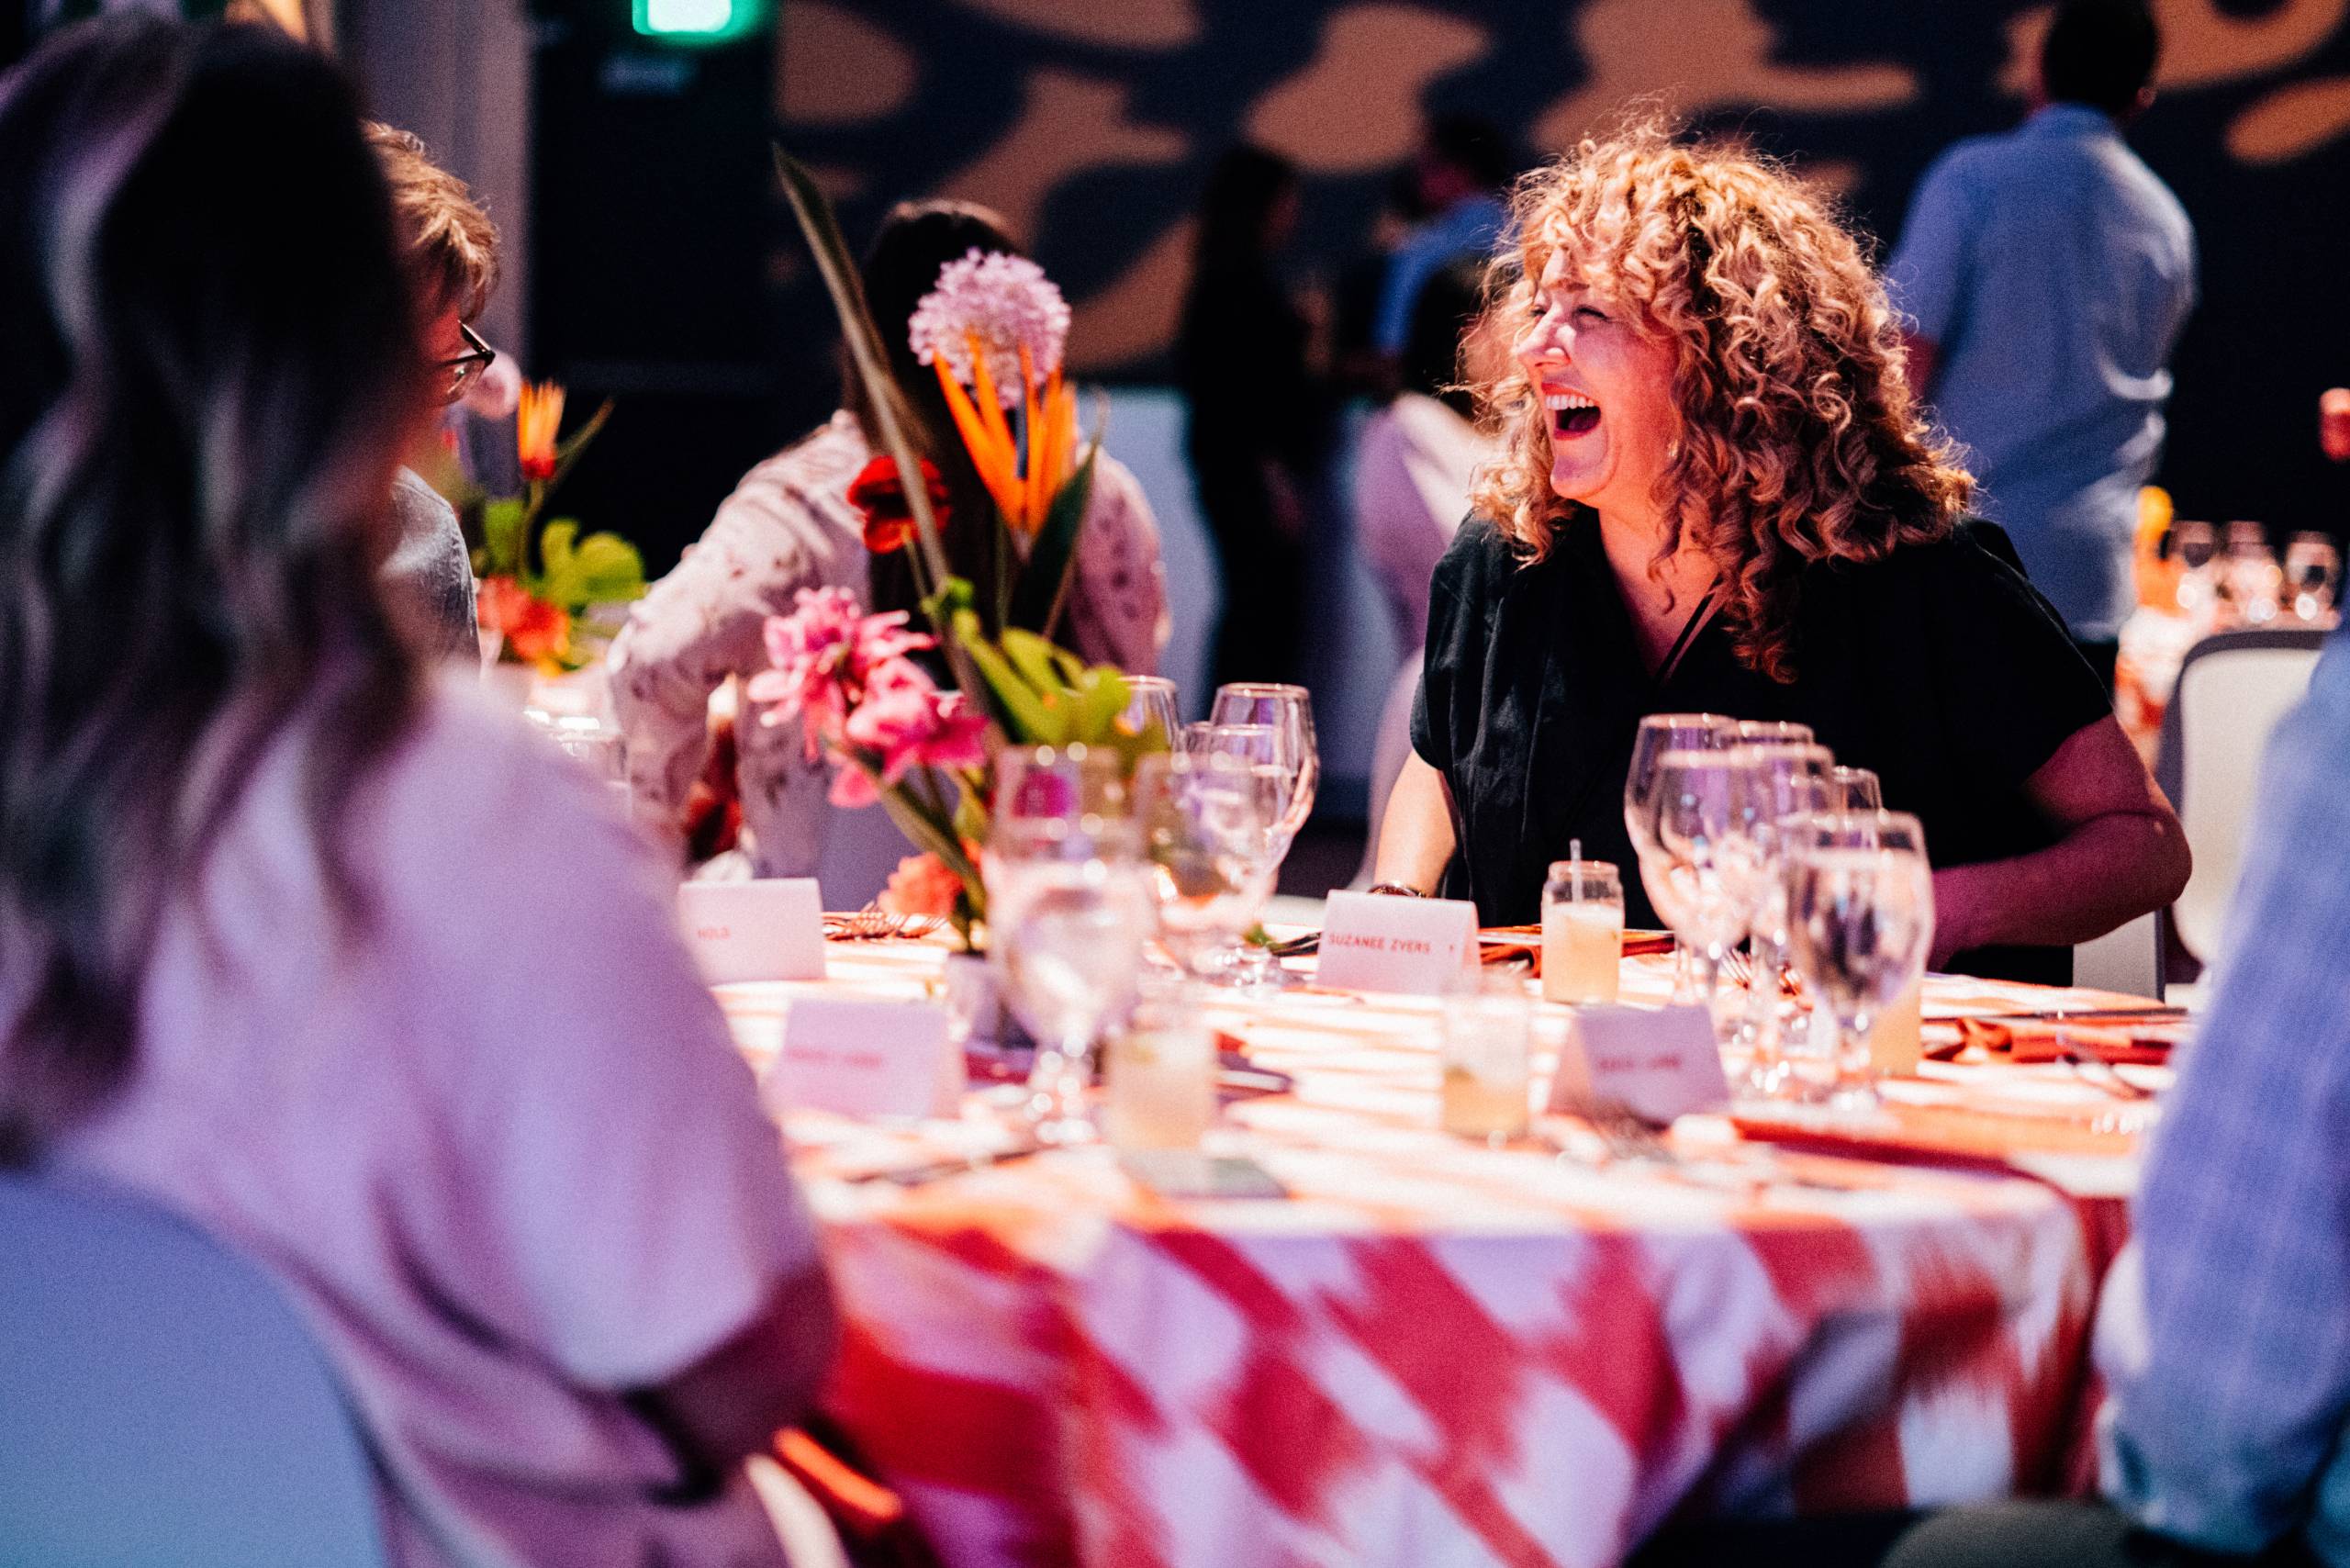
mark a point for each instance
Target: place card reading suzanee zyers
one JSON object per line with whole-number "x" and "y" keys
{"x": 864, "y": 1059}
{"x": 772, "y": 929}
{"x": 1658, "y": 1063}
{"x": 1371, "y": 942}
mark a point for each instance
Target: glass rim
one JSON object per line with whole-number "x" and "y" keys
{"x": 1263, "y": 689}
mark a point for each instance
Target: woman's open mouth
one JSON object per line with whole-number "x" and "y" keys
{"x": 1571, "y": 413}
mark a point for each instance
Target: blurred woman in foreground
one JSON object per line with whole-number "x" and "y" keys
{"x": 339, "y": 964}
{"x": 1717, "y": 495}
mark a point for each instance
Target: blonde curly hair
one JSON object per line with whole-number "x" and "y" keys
{"x": 1800, "y": 441}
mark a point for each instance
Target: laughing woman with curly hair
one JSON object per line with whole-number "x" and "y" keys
{"x": 1717, "y": 495}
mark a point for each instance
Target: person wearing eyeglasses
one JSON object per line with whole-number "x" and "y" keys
{"x": 451, "y": 251}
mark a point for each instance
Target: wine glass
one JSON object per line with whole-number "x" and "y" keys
{"x": 1259, "y": 752}
{"x": 1072, "y": 784}
{"x": 1210, "y": 824}
{"x": 2194, "y": 546}
{"x": 2312, "y": 574}
{"x": 1757, "y": 732}
{"x": 1781, "y": 782}
{"x": 1289, "y": 712}
{"x": 1853, "y": 789}
{"x": 1860, "y": 925}
{"x": 1066, "y": 929}
{"x": 1658, "y": 734}
{"x": 1702, "y": 866}
{"x": 1151, "y": 699}
{"x": 2254, "y": 578}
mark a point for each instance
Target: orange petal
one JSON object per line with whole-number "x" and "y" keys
{"x": 983, "y": 392}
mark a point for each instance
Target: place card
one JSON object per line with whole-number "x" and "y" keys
{"x": 864, "y": 1059}
{"x": 1374, "y": 942}
{"x": 1658, "y": 1063}
{"x": 772, "y": 929}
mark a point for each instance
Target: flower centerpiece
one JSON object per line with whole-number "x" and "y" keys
{"x": 539, "y": 579}
{"x": 992, "y": 331}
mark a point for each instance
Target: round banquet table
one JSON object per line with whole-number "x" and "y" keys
{"x": 1434, "y": 1351}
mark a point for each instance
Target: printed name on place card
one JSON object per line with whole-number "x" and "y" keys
{"x": 772, "y": 929}
{"x": 1375, "y": 943}
{"x": 1657, "y": 1063}
{"x": 864, "y": 1059}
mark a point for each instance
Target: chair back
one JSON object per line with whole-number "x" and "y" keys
{"x": 158, "y": 1401}
{"x": 2233, "y": 688}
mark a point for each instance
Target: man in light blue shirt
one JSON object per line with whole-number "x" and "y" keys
{"x": 1461, "y": 166}
{"x": 2047, "y": 273}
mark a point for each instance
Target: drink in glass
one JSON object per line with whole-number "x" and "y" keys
{"x": 1487, "y": 1047}
{"x": 1582, "y": 932}
{"x": 1159, "y": 1075}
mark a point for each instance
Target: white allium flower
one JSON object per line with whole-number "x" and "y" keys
{"x": 1004, "y": 301}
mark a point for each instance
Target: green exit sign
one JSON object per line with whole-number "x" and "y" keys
{"x": 696, "y": 21}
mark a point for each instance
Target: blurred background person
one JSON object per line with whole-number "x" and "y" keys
{"x": 1461, "y": 165}
{"x": 1416, "y": 455}
{"x": 332, "y": 959}
{"x": 790, "y": 526}
{"x": 1257, "y": 413}
{"x": 450, "y": 248}
{"x": 2048, "y": 273}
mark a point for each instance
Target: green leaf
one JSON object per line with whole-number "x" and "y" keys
{"x": 1026, "y": 718}
{"x": 502, "y": 528}
{"x": 890, "y": 410}
{"x": 1033, "y": 657}
{"x": 1035, "y": 603}
{"x": 1100, "y": 699}
{"x": 610, "y": 569}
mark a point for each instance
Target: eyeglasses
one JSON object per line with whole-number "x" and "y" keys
{"x": 466, "y": 366}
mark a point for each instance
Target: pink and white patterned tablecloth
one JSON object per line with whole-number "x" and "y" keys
{"x": 1434, "y": 1352}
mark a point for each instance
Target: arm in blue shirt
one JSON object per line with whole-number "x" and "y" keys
{"x": 1928, "y": 274}
{"x": 2238, "y": 1383}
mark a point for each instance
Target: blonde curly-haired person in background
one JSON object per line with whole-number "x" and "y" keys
{"x": 1717, "y": 495}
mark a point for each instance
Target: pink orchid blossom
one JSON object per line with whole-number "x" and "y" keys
{"x": 905, "y": 722}
{"x": 824, "y": 655}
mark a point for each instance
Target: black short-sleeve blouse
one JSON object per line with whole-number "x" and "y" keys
{"x": 1939, "y": 667}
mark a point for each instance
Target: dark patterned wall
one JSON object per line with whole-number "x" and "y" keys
{"x": 1092, "y": 123}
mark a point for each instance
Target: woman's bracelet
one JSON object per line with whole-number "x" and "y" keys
{"x": 1395, "y": 890}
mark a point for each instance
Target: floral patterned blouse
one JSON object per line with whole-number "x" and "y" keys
{"x": 788, "y": 526}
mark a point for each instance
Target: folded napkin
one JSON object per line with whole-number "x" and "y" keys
{"x": 2145, "y": 1043}
{"x": 1523, "y": 944}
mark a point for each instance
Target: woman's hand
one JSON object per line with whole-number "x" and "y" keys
{"x": 2123, "y": 853}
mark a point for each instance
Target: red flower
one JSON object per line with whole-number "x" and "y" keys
{"x": 534, "y": 629}
{"x": 882, "y": 497}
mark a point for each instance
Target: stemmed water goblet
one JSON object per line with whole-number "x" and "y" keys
{"x": 1781, "y": 781}
{"x": 2312, "y": 574}
{"x": 1210, "y": 824}
{"x": 1860, "y": 925}
{"x": 1702, "y": 866}
{"x": 1070, "y": 910}
{"x": 1659, "y": 733}
{"x": 1292, "y": 760}
{"x": 1151, "y": 699}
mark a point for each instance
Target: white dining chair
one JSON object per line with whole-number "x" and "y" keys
{"x": 158, "y": 1401}
{"x": 2233, "y": 688}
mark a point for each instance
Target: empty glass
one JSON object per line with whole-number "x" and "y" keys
{"x": 1783, "y": 782}
{"x": 1658, "y": 734}
{"x": 1151, "y": 699}
{"x": 2196, "y": 546}
{"x": 1853, "y": 789}
{"x": 1699, "y": 872}
{"x": 1288, "y": 710}
{"x": 1210, "y": 824}
{"x": 2254, "y": 581}
{"x": 1082, "y": 787}
{"x": 1860, "y": 925}
{"x": 1756, "y": 732}
{"x": 2313, "y": 576}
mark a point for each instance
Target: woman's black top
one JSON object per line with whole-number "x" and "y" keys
{"x": 1939, "y": 667}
